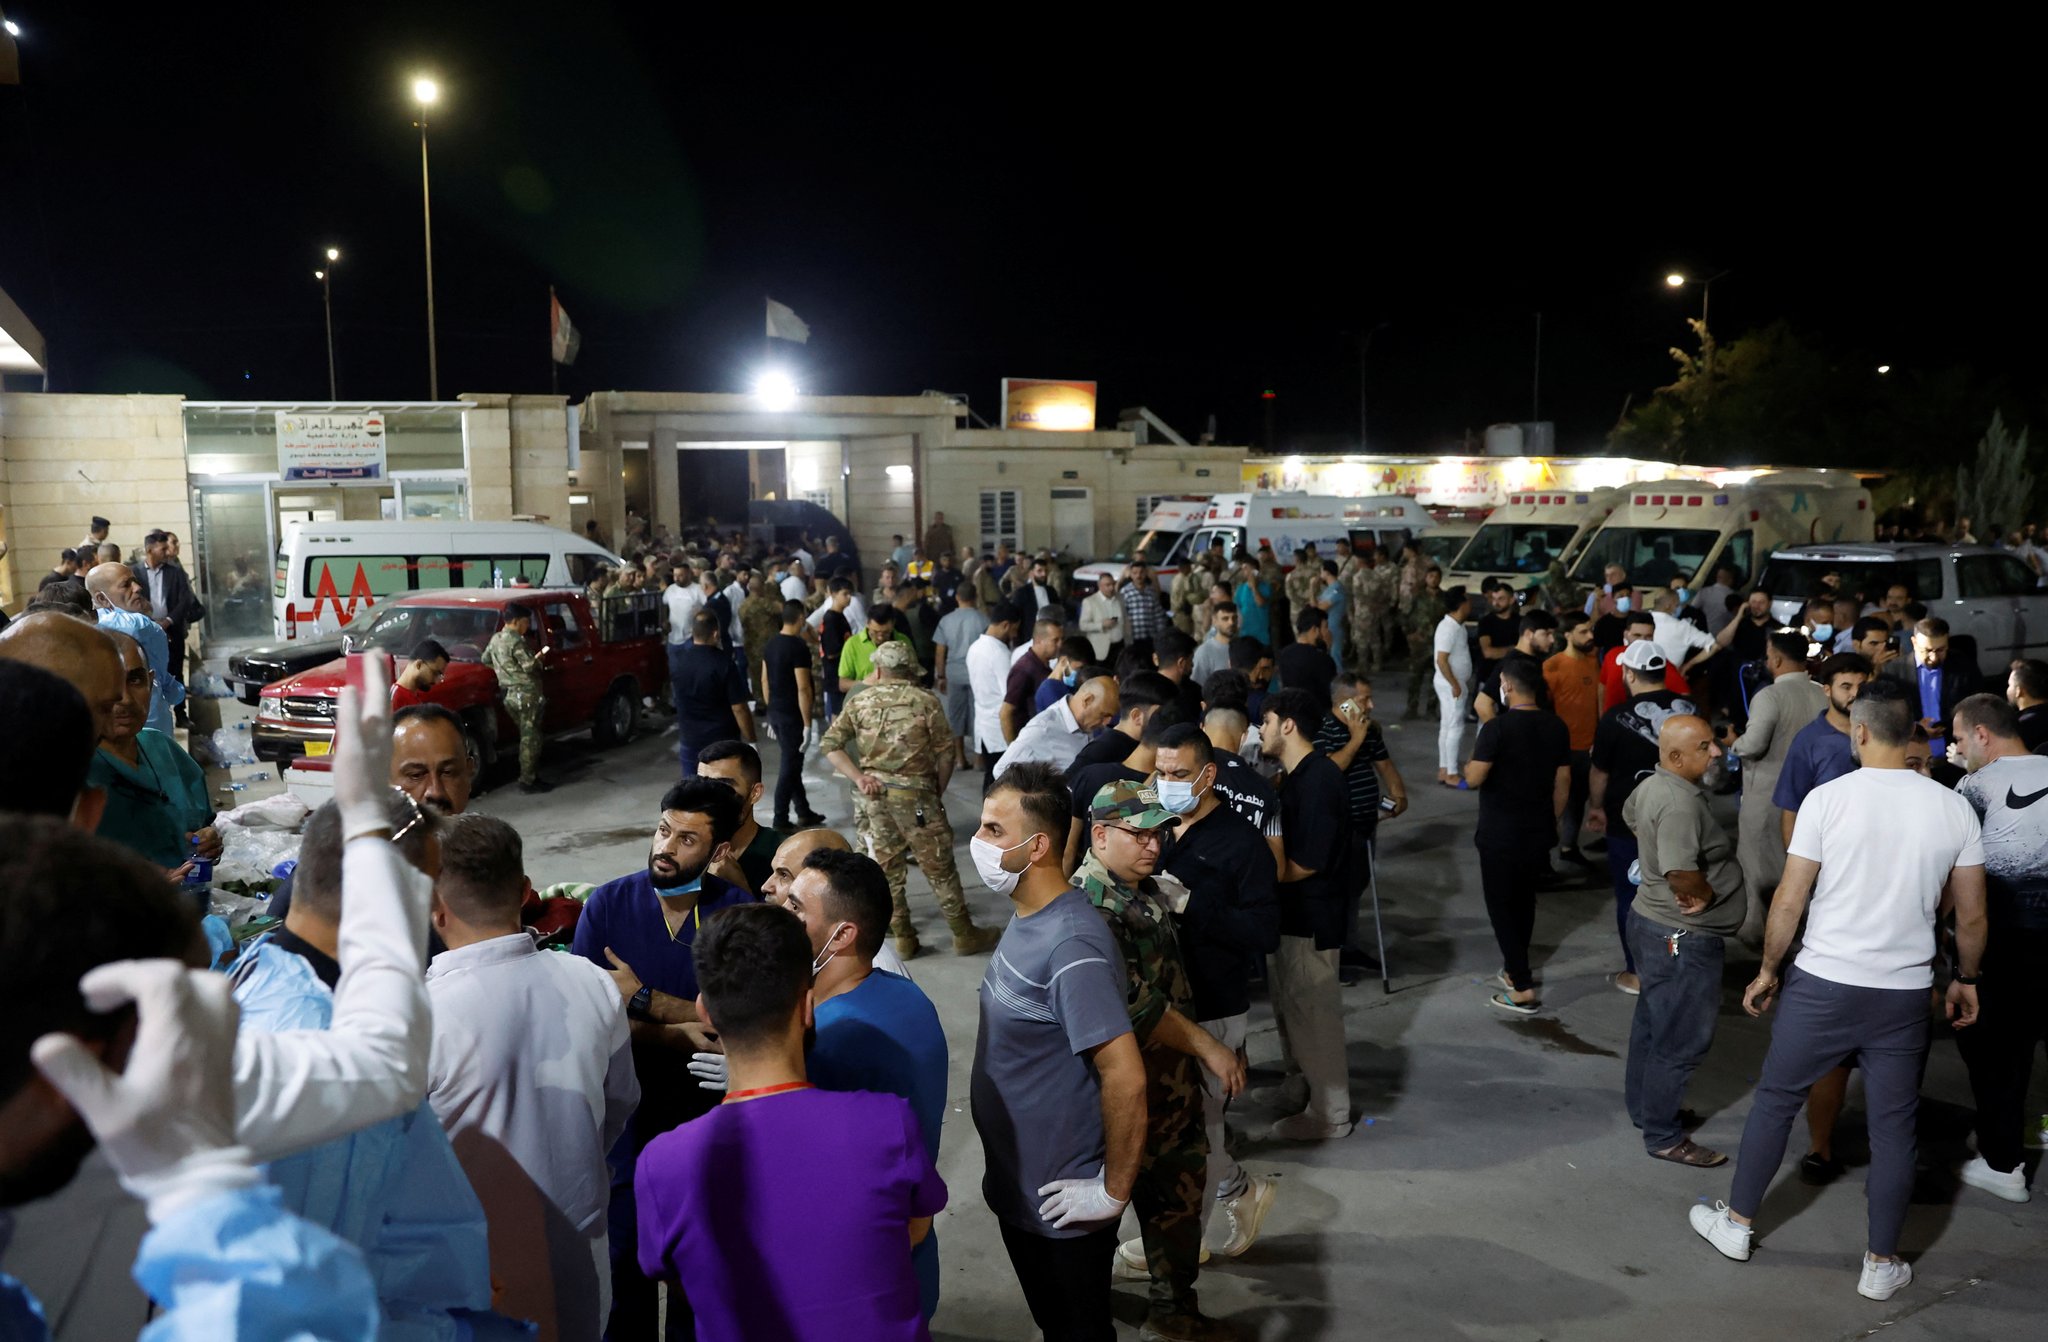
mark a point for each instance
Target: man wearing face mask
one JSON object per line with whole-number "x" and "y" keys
{"x": 1230, "y": 922}
{"x": 1059, "y": 1094}
{"x": 1609, "y": 624}
{"x": 1128, "y": 832}
{"x": 641, "y": 929}
{"x": 1135, "y": 767}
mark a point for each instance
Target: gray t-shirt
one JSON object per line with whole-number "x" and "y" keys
{"x": 1675, "y": 831}
{"x": 1054, "y": 990}
{"x": 958, "y": 630}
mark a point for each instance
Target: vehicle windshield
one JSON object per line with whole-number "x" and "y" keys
{"x": 1798, "y": 577}
{"x": 1516, "y": 547}
{"x": 1150, "y": 546}
{"x": 463, "y": 630}
{"x": 1651, "y": 556}
{"x": 1441, "y": 550}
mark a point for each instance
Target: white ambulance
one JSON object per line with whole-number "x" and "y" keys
{"x": 1519, "y": 539}
{"x": 1688, "y": 528}
{"x": 1162, "y": 543}
{"x": 1179, "y": 529}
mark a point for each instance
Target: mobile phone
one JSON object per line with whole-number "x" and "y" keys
{"x": 1386, "y": 803}
{"x": 357, "y": 665}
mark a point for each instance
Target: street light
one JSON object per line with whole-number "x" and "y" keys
{"x": 1678, "y": 280}
{"x": 426, "y": 93}
{"x": 1675, "y": 280}
{"x": 326, "y": 277}
{"x": 1883, "y": 368}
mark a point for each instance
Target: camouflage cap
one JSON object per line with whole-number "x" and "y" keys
{"x": 896, "y": 655}
{"x": 1133, "y": 804}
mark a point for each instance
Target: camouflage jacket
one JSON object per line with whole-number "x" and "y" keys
{"x": 896, "y": 730}
{"x": 1301, "y": 587}
{"x": 1423, "y": 617}
{"x": 760, "y": 620}
{"x": 1144, "y": 932}
{"x": 518, "y": 670}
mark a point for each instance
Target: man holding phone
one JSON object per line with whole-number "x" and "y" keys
{"x": 518, "y": 672}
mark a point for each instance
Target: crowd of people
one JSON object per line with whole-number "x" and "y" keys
{"x": 396, "y": 1115}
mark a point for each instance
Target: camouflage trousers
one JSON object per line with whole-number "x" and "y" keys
{"x": 1369, "y": 630}
{"x": 1172, "y": 1177}
{"x": 525, "y": 710}
{"x": 1421, "y": 670}
{"x": 890, "y": 827}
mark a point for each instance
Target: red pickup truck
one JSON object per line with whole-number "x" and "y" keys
{"x": 596, "y": 665}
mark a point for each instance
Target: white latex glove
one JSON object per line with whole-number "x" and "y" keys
{"x": 1078, "y": 1202}
{"x": 709, "y": 1069}
{"x": 362, "y": 752}
{"x": 167, "y": 1123}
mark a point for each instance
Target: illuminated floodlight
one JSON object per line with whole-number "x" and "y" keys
{"x": 425, "y": 91}
{"x": 775, "y": 390}
{"x": 1675, "y": 280}
{"x": 1883, "y": 368}
{"x": 334, "y": 253}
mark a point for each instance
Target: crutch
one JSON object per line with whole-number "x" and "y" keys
{"x": 1372, "y": 870}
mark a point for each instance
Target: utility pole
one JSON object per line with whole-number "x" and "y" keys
{"x": 1536, "y": 378}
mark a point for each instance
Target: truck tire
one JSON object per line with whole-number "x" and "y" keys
{"x": 618, "y": 713}
{"x": 481, "y": 743}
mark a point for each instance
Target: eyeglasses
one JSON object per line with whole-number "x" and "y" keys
{"x": 1144, "y": 838}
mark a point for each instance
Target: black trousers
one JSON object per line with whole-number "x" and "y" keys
{"x": 1065, "y": 1281}
{"x": 1574, "y": 817}
{"x": 1999, "y": 1048}
{"x": 789, "y": 777}
{"x": 1508, "y": 877}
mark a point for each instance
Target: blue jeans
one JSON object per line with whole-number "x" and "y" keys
{"x": 1674, "y": 1024}
{"x": 1621, "y": 855}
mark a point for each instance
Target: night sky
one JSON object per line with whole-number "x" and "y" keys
{"x": 1189, "y": 220}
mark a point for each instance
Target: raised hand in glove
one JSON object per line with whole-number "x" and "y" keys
{"x": 362, "y": 752}
{"x": 166, "y": 1122}
{"x": 1078, "y": 1202}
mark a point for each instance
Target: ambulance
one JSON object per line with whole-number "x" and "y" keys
{"x": 1179, "y": 529}
{"x": 1520, "y": 538}
{"x": 1669, "y": 529}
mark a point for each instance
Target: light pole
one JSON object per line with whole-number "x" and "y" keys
{"x": 326, "y": 277}
{"x": 426, "y": 92}
{"x": 1677, "y": 280}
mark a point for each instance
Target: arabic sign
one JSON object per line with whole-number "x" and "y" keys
{"x": 1447, "y": 482}
{"x": 1040, "y": 403}
{"x": 330, "y": 447}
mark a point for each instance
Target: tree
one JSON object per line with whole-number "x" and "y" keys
{"x": 1996, "y": 492}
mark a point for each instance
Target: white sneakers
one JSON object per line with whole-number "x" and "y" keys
{"x": 1242, "y": 1215}
{"x": 1883, "y": 1278}
{"x": 1717, "y": 1227}
{"x": 1130, "y": 1263}
{"x": 2012, "y": 1186}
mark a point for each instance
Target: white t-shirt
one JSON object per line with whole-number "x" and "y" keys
{"x": 1677, "y": 639}
{"x": 1886, "y": 840}
{"x": 1451, "y": 641}
{"x": 683, "y": 604}
{"x": 795, "y": 588}
{"x": 988, "y": 673}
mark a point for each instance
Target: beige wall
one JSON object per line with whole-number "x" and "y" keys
{"x": 877, "y": 504}
{"x": 519, "y": 458}
{"x": 66, "y": 458}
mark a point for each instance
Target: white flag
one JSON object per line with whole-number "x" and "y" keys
{"x": 784, "y": 324}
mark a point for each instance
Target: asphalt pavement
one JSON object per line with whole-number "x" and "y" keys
{"x": 1494, "y": 1187}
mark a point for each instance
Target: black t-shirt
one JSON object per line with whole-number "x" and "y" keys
{"x": 785, "y": 655}
{"x": 1245, "y": 791}
{"x": 1625, "y": 747}
{"x": 2034, "y": 726}
{"x": 1526, "y": 747}
{"x": 1191, "y": 706}
{"x": 721, "y": 608}
{"x": 706, "y": 686}
{"x": 945, "y": 582}
{"x": 1502, "y": 629}
{"x": 1082, "y": 785}
{"x": 1489, "y": 679}
{"x": 1111, "y": 747}
{"x": 1750, "y": 640}
{"x": 833, "y": 631}
{"x": 1361, "y": 780}
{"x": 1608, "y": 631}
{"x": 1315, "y": 810}
{"x": 1233, "y": 915}
{"x": 1304, "y": 666}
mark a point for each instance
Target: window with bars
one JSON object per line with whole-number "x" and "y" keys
{"x": 1001, "y": 518}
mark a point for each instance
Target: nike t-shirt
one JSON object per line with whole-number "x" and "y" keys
{"x": 2007, "y": 795}
{"x": 1886, "y": 840}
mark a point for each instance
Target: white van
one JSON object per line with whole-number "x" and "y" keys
{"x": 1162, "y": 543}
{"x": 1519, "y": 539}
{"x": 330, "y": 572}
{"x": 1289, "y": 522}
{"x": 1688, "y": 528}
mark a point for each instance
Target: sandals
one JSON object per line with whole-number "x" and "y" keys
{"x": 1690, "y": 1152}
{"x": 1510, "y": 1005}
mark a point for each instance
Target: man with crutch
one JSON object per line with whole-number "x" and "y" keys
{"x": 1374, "y": 787}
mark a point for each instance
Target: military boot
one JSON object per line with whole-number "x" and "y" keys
{"x": 971, "y": 940}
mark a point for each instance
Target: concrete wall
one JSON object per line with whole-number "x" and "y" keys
{"x": 878, "y": 504}
{"x": 66, "y": 458}
{"x": 519, "y": 458}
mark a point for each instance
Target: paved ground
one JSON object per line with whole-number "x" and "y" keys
{"x": 1494, "y": 1188}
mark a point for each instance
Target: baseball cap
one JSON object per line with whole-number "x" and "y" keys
{"x": 896, "y": 655}
{"x": 1134, "y": 804}
{"x": 1641, "y": 655}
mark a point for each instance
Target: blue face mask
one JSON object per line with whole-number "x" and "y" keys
{"x": 1823, "y": 632}
{"x": 1071, "y": 677}
{"x": 1623, "y": 605}
{"x": 1685, "y": 596}
{"x": 1178, "y": 797}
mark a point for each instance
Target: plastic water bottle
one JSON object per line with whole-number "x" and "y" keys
{"x": 199, "y": 880}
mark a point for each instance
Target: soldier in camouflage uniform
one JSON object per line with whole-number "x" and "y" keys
{"x": 906, "y": 760}
{"x": 1303, "y": 582}
{"x": 1419, "y": 624}
{"x": 1377, "y": 592}
{"x": 1167, "y": 1196}
{"x": 1190, "y": 590}
{"x": 760, "y": 620}
{"x": 518, "y": 672}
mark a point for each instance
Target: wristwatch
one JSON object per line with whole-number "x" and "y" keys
{"x": 1968, "y": 980}
{"x": 642, "y": 1003}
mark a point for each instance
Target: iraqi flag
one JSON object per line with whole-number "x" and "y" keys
{"x": 563, "y": 336}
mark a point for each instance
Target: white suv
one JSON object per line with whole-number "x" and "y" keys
{"x": 1988, "y": 596}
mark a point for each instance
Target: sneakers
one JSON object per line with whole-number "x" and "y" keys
{"x": 1307, "y": 1127}
{"x": 1979, "y": 1174}
{"x": 1718, "y": 1228}
{"x": 1129, "y": 1263}
{"x": 1244, "y": 1214}
{"x": 1883, "y": 1278}
{"x": 1188, "y": 1327}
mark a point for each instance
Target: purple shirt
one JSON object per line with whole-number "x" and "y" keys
{"x": 726, "y": 1201}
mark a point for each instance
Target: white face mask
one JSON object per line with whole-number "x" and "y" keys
{"x": 988, "y": 863}
{"x": 826, "y": 958}
{"x": 1178, "y": 797}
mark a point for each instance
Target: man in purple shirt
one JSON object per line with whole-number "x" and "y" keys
{"x": 779, "y": 1163}
{"x": 642, "y": 929}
